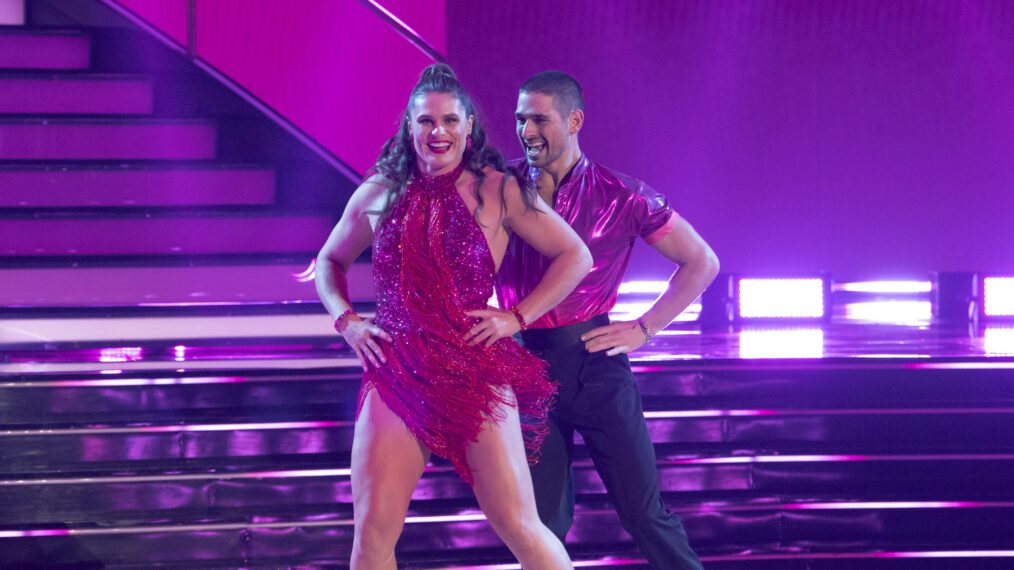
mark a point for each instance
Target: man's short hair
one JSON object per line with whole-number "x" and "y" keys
{"x": 564, "y": 89}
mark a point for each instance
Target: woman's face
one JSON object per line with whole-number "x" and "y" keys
{"x": 439, "y": 130}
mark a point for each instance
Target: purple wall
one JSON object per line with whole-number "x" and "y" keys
{"x": 426, "y": 17}
{"x": 169, "y": 16}
{"x": 866, "y": 138}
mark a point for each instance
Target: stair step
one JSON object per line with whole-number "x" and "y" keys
{"x": 297, "y": 484}
{"x": 269, "y": 406}
{"x": 33, "y": 49}
{"x": 209, "y": 284}
{"x": 134, "y": 185}
{"x": 12, "y": 13}
{"x": 40, "y": 139}
{"x": 297, "y": 538}
{"x": 171, "y": 235}
{"x": 76, "y": 95}
{"x": 128, "y": 331}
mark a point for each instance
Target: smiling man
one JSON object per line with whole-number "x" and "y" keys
{"x": 586, "y": 353}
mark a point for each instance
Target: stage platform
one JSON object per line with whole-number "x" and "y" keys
{"x": 219, "y": 437}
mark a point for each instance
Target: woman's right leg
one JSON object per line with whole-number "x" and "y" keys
{"x": 503, "y": 487}
{"x": 387, "y": 462}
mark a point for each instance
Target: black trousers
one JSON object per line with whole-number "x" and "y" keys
{"x": 599, "y": 399}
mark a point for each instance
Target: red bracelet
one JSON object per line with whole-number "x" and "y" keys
{"x": 521, "y": 320}
{"x": 342, "y": 321}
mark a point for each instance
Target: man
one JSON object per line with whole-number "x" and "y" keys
{"x": 586, "y": 354}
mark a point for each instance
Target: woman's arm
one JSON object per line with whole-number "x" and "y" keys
{"x": 551, "y": 236}
{"x": 349, "y": 238}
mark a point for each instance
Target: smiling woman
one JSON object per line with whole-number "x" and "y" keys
{"x": 442, "y": 373}
{"x": 438, "y": 131}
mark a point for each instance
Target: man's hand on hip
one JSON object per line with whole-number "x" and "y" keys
{"x": 615, "y": 338}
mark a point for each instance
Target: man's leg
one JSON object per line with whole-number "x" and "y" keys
{"x": 553, "y": 475}
{"x": 553, "y": 479}
{"x": 618, "y": 442}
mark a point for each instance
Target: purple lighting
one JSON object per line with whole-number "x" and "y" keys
{"x": 885, "y": 287}
{"x": 999, "y": 296}
{"x": 308, "y": 274}
{"x": 999, "y": 341}
{"x": 781, "y": 298}
{"x": 747, "y": 459}
{"x": 781, "y": 343}
{"x": 911, "y": 313}
{"x": 121, "y": 354}
{"x": 180, "y": 428}
{"x": 12, "y": 13}
{"x": 34, "y": 533}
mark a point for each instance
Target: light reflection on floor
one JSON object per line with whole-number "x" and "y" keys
{"x": 303, "y": 341}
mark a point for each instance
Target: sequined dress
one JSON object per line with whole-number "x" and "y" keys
{"x": 431, "y": 264}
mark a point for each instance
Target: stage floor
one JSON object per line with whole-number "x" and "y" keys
{"x": 118, "y": 342}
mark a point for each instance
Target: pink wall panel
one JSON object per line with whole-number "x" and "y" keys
{"x": 427, "y": 17}
{"x": 170, "y": 16}
{"x": 332, "y": 67}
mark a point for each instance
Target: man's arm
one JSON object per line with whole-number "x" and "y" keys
{"x": 698, "y": 266}
{"x": 550, "y": 235}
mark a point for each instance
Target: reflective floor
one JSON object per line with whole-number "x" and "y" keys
{"x": 129, "y": 343}
{"x": 220, "y": 438}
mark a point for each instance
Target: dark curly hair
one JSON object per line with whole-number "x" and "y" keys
{"x": 397, "y": 161}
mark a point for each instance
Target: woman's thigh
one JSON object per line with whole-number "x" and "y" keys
{"x": 387, "y": 462}
{"x": 502, "y": 481}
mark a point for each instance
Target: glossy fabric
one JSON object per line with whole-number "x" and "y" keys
{"x": 609, "y": 211}
{"x": 599, "y": 399}
{"x": 431, "y": 264}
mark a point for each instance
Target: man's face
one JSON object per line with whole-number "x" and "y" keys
{"x": 544, "y": 133}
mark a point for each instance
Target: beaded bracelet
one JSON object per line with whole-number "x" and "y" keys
{"x": 342, "y": 321}
{"x": 521, "y": 320}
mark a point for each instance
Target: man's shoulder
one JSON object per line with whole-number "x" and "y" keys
{"x": 619, "y": 181}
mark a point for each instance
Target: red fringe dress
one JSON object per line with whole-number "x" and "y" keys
{"x": 431, "y": 263}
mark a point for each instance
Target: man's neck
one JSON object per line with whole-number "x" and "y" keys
{"x": 551, "y": 175}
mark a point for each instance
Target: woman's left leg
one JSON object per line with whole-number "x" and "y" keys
{"x": 503, "y": 487}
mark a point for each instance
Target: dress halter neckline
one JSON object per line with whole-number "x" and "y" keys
{"x": 422, "y": 182}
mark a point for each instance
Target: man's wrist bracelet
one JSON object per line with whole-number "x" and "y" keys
{"x": 644, "y": 329}
{"x": 517, "y": 315}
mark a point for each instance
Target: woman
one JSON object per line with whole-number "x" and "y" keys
{"x": 440, "y": 373}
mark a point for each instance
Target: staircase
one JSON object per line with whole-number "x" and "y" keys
{"x": 116, "y": 153}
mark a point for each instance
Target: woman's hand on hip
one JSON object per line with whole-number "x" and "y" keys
{"x": 363, "y": 336}
{"x": 493, "y": 326}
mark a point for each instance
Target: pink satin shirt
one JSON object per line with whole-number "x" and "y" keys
{"x": 609, "y": 211}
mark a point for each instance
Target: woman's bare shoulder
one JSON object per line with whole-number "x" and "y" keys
{"x": 373, "y": 191}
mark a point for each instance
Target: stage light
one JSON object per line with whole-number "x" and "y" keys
{"x": 885, "y": 287}
{"x": 998, "y": 341}
{"x": 636, "y": 297}
{"x": 784, "y": 298}
{"x": 781, "y": 343}
{"x": 998, "y": 296}
{"x": 121, "y": 354}
{"x": 911, "y": 313}
{"x": 643, "y": 287}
